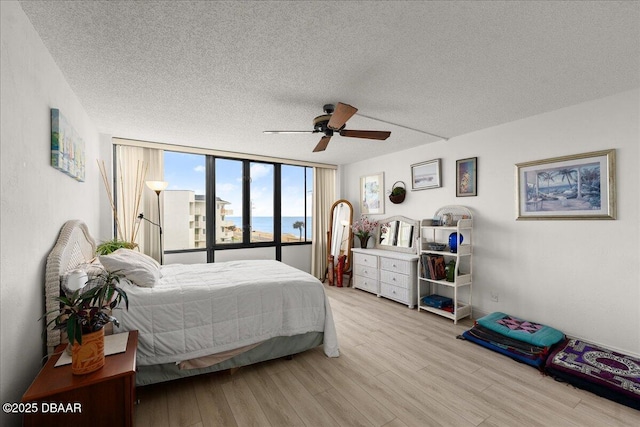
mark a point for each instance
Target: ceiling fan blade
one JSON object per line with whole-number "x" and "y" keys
{"x": 368, "y": 134}
{"x": 322, "y": 145}
{"x": 342, "y": 113}
{"x": 288, "y": 131}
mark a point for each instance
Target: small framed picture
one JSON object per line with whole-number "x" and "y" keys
{"x": 371, "y": 200}
{"x": 467, "y": 177}
{"x": 426, "y": 175}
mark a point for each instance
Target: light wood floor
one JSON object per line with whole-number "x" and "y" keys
{"x": 397, "y": 368}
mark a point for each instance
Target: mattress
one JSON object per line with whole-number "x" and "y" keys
{"x": 203, "y": 309}
{"x": 606, "y": 373}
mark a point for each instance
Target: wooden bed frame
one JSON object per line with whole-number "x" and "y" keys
{"x": 75, "y": 246}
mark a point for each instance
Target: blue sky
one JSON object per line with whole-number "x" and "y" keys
{"x": 187, "y": 172}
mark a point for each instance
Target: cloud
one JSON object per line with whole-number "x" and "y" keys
{"x": 259, "y": 170}
{"x": 225, "y": 187}
{"x": 200, "y": 169}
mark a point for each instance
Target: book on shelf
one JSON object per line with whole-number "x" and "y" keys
{"x": 432, "y": 267}
{"x": 424, "y": 266}
{"x": 439, "y": 267}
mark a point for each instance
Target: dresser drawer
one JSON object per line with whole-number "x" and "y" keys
{"x": 396, "y": 265}
{"x": 395, "y": 279}
{"x": 394, "y": 292}
{"x": 368, "y": 260}
{"x": 365, "y": 283}
{"x": 365, "y": 271}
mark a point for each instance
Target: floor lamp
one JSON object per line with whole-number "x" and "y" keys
{"x": 158, "y": 187}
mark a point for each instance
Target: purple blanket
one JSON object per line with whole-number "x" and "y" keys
{"x": 609, "y": 374}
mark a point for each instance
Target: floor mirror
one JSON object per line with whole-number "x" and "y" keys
{"x": 340, "y": 235}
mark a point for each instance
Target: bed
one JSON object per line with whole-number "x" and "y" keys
{"x": 202, "y": 318}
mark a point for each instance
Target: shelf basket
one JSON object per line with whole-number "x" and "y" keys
{"x": 454, "y": 212}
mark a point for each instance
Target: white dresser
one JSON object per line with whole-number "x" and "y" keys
{"x": 386, "y": 273}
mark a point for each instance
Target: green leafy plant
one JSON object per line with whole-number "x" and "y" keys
{"x": 90, "y": 310}
{"x": 109, "y": 246}
{"x": 398, "y": 191}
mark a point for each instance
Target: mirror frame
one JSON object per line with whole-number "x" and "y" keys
{"x": 347, "y": 265}
{"x": 410, "y": 250}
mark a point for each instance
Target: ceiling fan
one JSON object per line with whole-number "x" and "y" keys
{"x": 334, "y": 120}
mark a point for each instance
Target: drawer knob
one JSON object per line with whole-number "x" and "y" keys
{"x": 393, "y": 265}
{"x": 393, "y": 278}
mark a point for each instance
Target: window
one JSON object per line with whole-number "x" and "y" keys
{"x": 261, "y": 190}
{"x": 296, "y": 184}
{"x": 184, "y": 201}
{"x": 249, "y": 203}
{"x": 229, "y": 201}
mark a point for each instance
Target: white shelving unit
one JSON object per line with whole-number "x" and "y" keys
{"x": 460, "y": 221}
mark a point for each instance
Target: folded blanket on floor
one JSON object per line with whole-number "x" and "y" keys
{"x": 522, "y": 330}
{"x": 606, "y": 373}
{"x": 518, "y": 350}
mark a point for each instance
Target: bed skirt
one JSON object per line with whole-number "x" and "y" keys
{"x": 271, "y": 349}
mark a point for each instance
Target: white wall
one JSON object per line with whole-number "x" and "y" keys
{"x": 36, "y": 198}
{"x": 582, "y": 277}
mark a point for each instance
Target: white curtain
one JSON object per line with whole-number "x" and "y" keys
{"x": 324, "y": 194}
{"x": 130, "y": 161}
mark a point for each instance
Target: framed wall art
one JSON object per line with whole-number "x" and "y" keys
{"x": 371, "y": 197}
{"x": 67, "y": 148}
{"x": 467, "y": 177}
{"x": 426, "y": 175}
{"x": 580, "y": 186}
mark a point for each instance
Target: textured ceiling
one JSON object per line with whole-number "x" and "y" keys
{"x": 216, "y": 74}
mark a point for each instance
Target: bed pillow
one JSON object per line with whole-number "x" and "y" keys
{"x": 140, "y": 269}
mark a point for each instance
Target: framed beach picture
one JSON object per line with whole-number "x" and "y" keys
{"x": 467, "y": 177}
{"x": 580, "y": 186}
{"x": 371, "y": 200}
{"x": 425, "y": 175}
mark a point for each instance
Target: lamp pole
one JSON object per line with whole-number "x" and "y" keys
{"x": 158, "y": 186}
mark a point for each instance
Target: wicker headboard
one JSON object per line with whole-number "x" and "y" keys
{"x": 73, "y": 247}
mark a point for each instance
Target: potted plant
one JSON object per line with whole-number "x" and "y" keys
{"x": 84, "y": 314}
{"x": 109, "y": 246}
{"x": 397, "y": 193}
{"x": 364, "y": 229}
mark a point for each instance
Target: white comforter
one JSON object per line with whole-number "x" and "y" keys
{"x": 202, "y": 309}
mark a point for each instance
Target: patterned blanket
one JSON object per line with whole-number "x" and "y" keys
{"x": 609, "y": 374}
{"x": 522, "y": 330}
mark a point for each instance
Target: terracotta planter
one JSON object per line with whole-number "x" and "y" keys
{"x": 88, "y": 356}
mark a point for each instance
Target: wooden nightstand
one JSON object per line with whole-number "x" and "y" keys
{"x": 104, "y": 397}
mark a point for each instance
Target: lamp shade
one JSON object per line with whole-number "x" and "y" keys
{"x": 157, "y": 186}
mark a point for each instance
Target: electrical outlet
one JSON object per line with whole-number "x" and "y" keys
{"x": 495, "y": 296}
